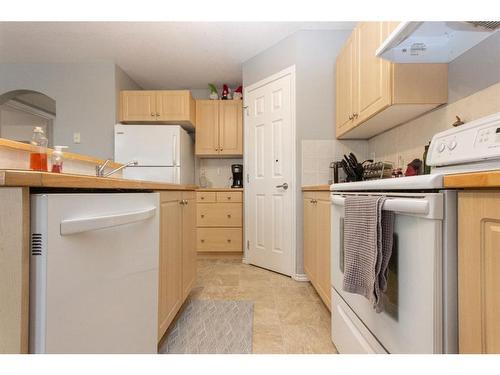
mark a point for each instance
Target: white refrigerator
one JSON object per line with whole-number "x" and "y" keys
{"x": 165, "y": 153}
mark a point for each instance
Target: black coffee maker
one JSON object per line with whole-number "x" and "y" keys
{"x": 237, "y": 170}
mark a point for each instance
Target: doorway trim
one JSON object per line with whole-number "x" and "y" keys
{"x": 282, "y": 73}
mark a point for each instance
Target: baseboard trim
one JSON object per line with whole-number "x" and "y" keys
{"x": 245, "y": 260}
{"x": 300, "y": 277}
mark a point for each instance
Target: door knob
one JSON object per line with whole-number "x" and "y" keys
{"x": 283, "y": 186}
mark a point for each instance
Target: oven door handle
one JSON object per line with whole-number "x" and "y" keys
{"x": 403, "y": 205}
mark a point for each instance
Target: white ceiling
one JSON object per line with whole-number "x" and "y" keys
{"x": 155, "y": 54}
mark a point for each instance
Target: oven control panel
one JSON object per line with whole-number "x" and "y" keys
{"x": 472, "y": 142}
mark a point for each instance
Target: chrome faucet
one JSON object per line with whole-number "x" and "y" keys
{"x": 99, "y": 169}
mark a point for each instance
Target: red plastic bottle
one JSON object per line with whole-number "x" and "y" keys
{"x": 38, "y": 158}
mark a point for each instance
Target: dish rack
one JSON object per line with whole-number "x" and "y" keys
{"x": 377, "y": 170}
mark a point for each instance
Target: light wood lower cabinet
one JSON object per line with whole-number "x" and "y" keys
{"x": 219, "y": 221}
{"x": 177, "y": 263}
{"x": 317, "y": 242}
{"x": 479, "y": 271}
{"x": 188, "y": 242}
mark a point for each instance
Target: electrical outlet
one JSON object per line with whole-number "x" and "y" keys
{"x": 76, "y": 137}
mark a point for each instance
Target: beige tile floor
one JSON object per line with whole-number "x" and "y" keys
{"x": 289, "y": 316}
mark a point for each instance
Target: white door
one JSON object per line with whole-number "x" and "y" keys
{"x": 149, "y": 145}
{"x": 270, "y": 164}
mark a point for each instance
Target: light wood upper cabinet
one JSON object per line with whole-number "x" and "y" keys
{"x": 138, "y": 106}
{"x": 159, "y": 106}
{"x": 373, "y": 74}
{"x": 345, "y": 85}
{"x": 230, "y": 127}
{"x": 373, "y": 94}
{"x": 207, "y": 127}
{"x": 177, "y": 261}
{"x": 479, "y": 271}
{"x": 317, "y": 248}
{"x": 219, "y": 128}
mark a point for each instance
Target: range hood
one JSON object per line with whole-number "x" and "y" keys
{"x": 434, "y": 42}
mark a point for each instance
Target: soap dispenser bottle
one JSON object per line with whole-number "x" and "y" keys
{"x": 38, "y": 158}
{"x": 57, "y": 159}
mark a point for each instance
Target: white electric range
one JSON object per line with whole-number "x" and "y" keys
{"x": 420, "y": 314}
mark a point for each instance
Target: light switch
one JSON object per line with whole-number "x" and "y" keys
{"x": 76, "y": 137}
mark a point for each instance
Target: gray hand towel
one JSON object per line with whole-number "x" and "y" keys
{"x": 368, "y": 233}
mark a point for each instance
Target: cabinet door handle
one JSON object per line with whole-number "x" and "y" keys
{"x": 152, "y": 114}
{"x": 202, "y": 198}
{"x": 202, "y": 216}
{"x": 355, "y": 115}
{"x": 157, "y": 114}
{"x": 229, "y": 241}
{"x": 229, "y": 216}
{"x": 221, "y": 149}
{"x": 351, "y": 117}
{"x": 228, "y": 198}
{"x": 202, "y": 241}
{"x": 217, "y": 149}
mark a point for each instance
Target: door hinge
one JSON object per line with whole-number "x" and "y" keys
{"x": 248, "y": 244}
{"x": 248, "y": 178}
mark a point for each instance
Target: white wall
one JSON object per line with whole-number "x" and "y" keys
{"x": 85, "y": 96}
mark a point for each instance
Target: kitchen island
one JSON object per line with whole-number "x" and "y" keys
{"x": 15, "y": 189}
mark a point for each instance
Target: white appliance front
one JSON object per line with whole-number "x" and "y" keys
{"x": 94, "y": 273}
{"x": 170, "y": 175}
{"x": 412, "y": 320}
{"x": 149, "y": 145}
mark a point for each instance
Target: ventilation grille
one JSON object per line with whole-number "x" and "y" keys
{"x": 490, "y": 25}
{"x": 36, "y": 244}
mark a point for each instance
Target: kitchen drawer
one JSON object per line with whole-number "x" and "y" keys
{"x": 188, "y": 195}
{"x": 229, "y": 196}
{"x": 219, "y": 239}
{"x": 219, "y": 215}
{"x": 206, "y": 196}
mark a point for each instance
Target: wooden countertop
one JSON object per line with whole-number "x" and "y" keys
{"x": 13, "y": 178}
{"x": 219, "y": 189}
{"x": 14, "y": 145}
{"x": 474, "y": 180}
{"x": 316, "y": 188}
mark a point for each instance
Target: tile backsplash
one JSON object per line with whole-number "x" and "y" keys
{"x": 318, "y": 154}
{"x": 217, "y": 171}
